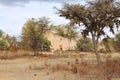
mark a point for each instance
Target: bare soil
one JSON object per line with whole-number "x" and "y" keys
{"x": 64, "y": 66}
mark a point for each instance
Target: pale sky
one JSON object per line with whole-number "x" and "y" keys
{"x": 14, "y": 13}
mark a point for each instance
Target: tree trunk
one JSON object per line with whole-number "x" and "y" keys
{"x": 95, "y": 44}
{"x": 97, "y": 55}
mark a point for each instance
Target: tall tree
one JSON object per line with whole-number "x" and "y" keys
{"x": 95, "y": 16}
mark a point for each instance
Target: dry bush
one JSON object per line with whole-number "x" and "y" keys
{"x": 112, "y": 67}
{"x": 73, "y": 68}
{"x": 14, "y": 55}
{"x": 108, "y": 70}
{"x": 19, "y": 54}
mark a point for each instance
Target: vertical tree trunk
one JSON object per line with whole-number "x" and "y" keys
{"x": 95, "y": 44}
{"x": 97, "y": 54}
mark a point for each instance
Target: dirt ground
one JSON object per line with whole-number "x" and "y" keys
{"x": 50, "y": 67}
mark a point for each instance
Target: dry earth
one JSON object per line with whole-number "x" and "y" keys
{"x": 43, "y": 67}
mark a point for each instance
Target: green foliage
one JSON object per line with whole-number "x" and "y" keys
{"x": 84, "y": 44}
{"x": 3, "y": 44}
{"x": 66, "y": 31}
{"x": 95, "y": 16}
{"x": 44, "y": 23}
{"x": 102, "y": 50}
{"x": 46, "y": 45}
{"x": 12, "y": 40}
{"x": 22, "y": 45}
{"x": 106, "y": 43}
{"x": 111, "y": 44}
{"x": 60, "y": 31}
{"x": 117, "y": 36}
{"x": 117, "y": 42}
{"x": 33, "y": 35}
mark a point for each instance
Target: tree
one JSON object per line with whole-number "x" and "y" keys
{"x": 60, "y": 30}
{"x": 46, "y": 45}
{"x": 71, "y": 32}
{"x": 66, "y": 31}
{"x": 3, "y": 42}
{"x": 33, "y": 34}
{"x": 44, "y": 22}
{"x": 95, "y": 16}
{"x": 12, "y": 40}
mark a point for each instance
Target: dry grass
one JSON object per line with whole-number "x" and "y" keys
{"x": 13, "y": 55}
{"x": 108, "y": 70}
{"x": 64, "y": 66}
{"x": 7, "y": 55}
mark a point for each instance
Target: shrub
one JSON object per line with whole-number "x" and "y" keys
{"x": 33, "y": 34}
{"x": 84, "y": 45}
{"x": 106, "y": 43}
{"x": 117, "y": 42}
{"x": 3, "y": 44}
{"x": 46, "y": 45}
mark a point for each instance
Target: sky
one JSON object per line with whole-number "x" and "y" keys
{"x": 14, "y": 13}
